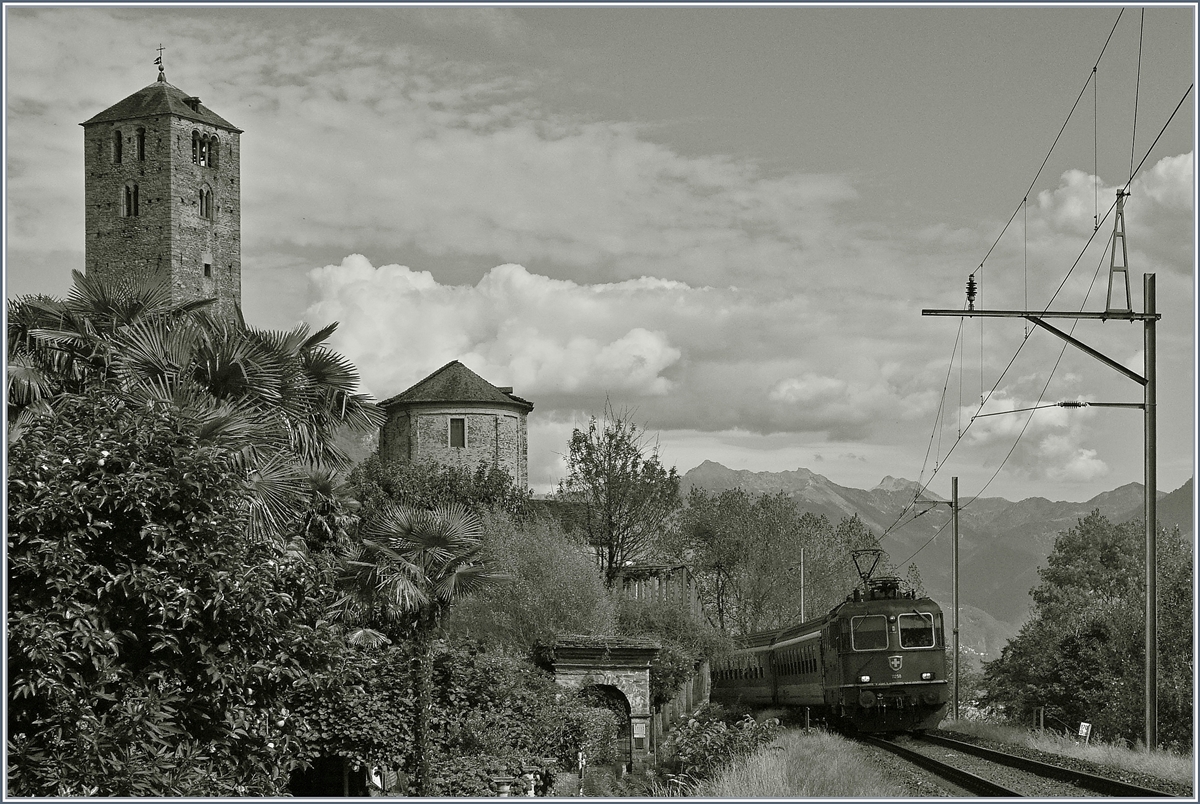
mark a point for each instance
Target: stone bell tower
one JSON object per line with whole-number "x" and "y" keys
{"x": 163, "y": 193}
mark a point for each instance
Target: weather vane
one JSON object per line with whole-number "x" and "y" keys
{"x": 159, "y": 61}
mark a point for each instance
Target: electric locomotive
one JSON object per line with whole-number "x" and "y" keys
{"x": 875, "y": 663}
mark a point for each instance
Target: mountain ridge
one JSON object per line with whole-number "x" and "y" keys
{"x": 1001, "y": 543}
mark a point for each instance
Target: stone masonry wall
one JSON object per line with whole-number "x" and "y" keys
{"x": 395, "y": 437}
{"x": 197, "y": 240}
{"x": 494, "y": 435}
{"x": 168, "y": 232}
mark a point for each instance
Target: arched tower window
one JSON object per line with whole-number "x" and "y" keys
{"x": 117, "y": 147}
{"x": 204, "y": 150}
{"x": 206, "y": 207}
{"x": 129, "y": 201}
{"x": 141, "y": 144}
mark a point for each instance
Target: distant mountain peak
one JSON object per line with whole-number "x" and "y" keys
{"x": 1003, "y": 542}
{"x": 890, "y": 483}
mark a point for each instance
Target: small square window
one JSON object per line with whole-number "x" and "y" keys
{"x": 458, "y": 432}
{"x": 208, "y": 269}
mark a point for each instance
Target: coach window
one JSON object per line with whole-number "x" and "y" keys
{"x": 869, "y": 633}
{"x": 916, "y": 630}
{"x": 458, "y": 432}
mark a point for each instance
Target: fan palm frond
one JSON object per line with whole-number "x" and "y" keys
{"x": 277, "y": 492}
{"x": 27, "y": 382}
{"x": 367, "y": 638}
{"x": 19, "y": 424}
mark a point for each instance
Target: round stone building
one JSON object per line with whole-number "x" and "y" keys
{"x": 457, "y": 418}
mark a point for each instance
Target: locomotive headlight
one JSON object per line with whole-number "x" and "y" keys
{"x": 927, "y": 676}
{"x": 864, "y": 679}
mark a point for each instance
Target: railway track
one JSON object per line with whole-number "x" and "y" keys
{"x": 1085, "y": 781}
{"x": 1001, "y": 775}
{"x": 966, "y": 780}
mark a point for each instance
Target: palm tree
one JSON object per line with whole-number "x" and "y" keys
{"x": 277, "y": 400}
{"x": 400, "y": 582}
{"x": 58, "y": 346}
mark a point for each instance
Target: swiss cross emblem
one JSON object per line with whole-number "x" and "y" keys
{"x": 895, "y": 662}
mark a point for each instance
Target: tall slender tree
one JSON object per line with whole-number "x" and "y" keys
{"x": 400, "y": 582}
{"x": 628, "y": 497}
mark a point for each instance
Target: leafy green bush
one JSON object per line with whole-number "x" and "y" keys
{"x": 554, "y": 588}
{"x": 151, "y": 642}
{"x": 686, "y": 642}
{"x": 710, "y": 741}
{"x": 429, "y": 485}
{"x": 1081, "y": 654}
{"x": 492, "y": 716}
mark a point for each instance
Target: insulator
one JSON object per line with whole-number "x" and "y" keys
{"x": 1072, "y": 404}
{"x": 971, "y": 287}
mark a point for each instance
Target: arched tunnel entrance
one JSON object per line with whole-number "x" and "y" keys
{"x": 617, "y": 669}
{"x": 609, "y": 697}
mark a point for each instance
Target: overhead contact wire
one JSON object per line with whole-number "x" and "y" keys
{"x": 1178, "y": 106}
{"x": 1024, "y": 200}
{"x": 1038, "y": 405}
{"x": 1162, "y": 131}
{"x": 1070, "y": 114}
{"x": 1137, "y": 88}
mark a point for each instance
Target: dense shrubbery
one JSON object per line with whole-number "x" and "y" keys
{"x": 713, "y": 738}
{"x": 686, "y": 642}
{"x": 1082, "y": 652}
{"x": 491, "y": 716}
{"x": 554, "y": 588}
{"x": 150, "y": 640}
{"x": 429, "y": 485}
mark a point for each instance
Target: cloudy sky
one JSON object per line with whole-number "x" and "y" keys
{"x": 726, "y": 220}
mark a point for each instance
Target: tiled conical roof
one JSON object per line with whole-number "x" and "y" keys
{"x": 157, "y": 99}
{"x": 454, "y": 382}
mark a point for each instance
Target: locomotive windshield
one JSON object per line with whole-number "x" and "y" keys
{"x": 869, "y": 633}
{"x": 916, "y": 630}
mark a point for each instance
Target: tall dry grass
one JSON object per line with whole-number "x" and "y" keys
{"x": 1163, "y": 764}
{"x": 800, "y": 764}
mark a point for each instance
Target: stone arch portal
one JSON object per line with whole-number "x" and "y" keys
{"x": 612, "y": 698}
{"x": 614, "y": 666}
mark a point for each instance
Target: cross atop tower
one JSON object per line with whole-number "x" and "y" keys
{"x": 162, "y": 73}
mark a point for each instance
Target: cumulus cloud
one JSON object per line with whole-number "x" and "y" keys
{"x": 809, "y": 389}
{"x": 1046, "y": 444}
{"x": 542, "y": 335}
{"x": 1061, "y": 459}
{"x": 707, "y": 359}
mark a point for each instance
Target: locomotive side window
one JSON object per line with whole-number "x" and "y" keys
{"x": 869, "y": 633}
{"x": 916, "y": 630}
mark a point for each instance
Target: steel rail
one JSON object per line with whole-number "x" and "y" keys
{"x": 1087, "y": 781}
{"x": 967, "y": 781}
